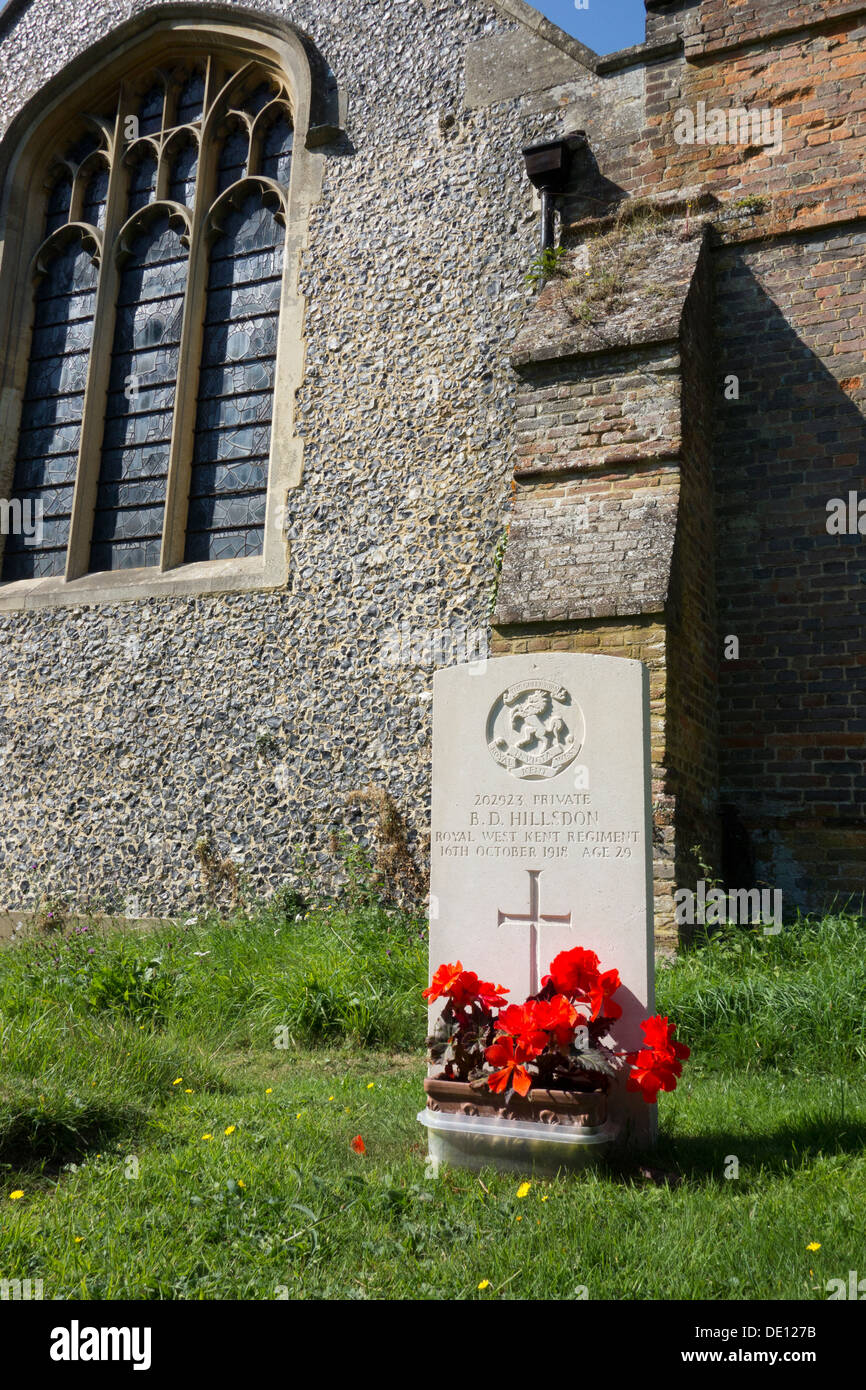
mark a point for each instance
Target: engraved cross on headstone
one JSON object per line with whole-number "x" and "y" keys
{"x": 533, "y": 919}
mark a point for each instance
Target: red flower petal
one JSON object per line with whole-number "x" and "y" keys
{"x": 442, "y": 981}
{"x": 521, "y": 1081}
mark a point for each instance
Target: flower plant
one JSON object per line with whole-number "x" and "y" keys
{"x": 551, "y": 1041}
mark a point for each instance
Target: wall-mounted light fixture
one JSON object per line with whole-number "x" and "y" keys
{"x": 548, "y": 166}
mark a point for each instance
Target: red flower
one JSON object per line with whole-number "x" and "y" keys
{"x": 657, "y": 1065}
{"x": 443, "y": 981}
{"x": 463, "y": 987}
{"x": 509, "y": 1059}
{"x": 464, "y": 990}
{"x": 490, "y": 996}
{"x": 599, "y": 996}
{"x": 559, "y": 1017}
{"x": 521, "y": 1023}
{"x": 574, "y": 972}
{"x": 358, "y": 1145}
{"x": 659, "y": 1035}
{"x": 652, "y": 1074}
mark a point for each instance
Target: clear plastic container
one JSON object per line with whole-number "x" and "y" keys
{"x": 514, "y": 1146}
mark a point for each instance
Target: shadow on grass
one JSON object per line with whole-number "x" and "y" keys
{"x": 35, "y": 1139}
{"x": 704, "y": 1157}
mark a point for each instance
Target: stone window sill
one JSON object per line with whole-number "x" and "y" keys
{"x": 122, "y": 586}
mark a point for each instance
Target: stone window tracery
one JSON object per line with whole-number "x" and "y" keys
{"x": 146, "y": 414}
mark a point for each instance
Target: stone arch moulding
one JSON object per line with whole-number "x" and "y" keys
{"x": 229, "y": 36}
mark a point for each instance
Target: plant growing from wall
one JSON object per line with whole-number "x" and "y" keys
{"x": 52, "y": 912}
{"x": 498, "y": 557}
{"x": 549, "y": 263}
{"x": 615, "y": 259}
{"x": 267, "y": 743}
{"x": 393, "y": 867}
{"x": 220, "y": 878}
{"x": 753, "y": 204}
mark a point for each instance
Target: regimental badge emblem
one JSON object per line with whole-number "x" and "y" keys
{"x": 534, "y": 730}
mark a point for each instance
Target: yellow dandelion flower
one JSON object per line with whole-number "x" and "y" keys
{"x": 269, "y": 1090}
{"x": 546, "y": 1197}
{"x": 207, "y": 1136}
{"x": 14, "y": 1196}
{"x": 813, "y": 1246}
{"x": 187, "y": 1090}
{"x": 519, "y": 1218}
{"x": 229, "y": 1129}
{"x": 370, "y": 1085}
{"x": 241, "y": 1182}
{"x": 330, "y": 1097}
{"x": 523, "y": 1189}
{"x": 298, "y": 1116}
{"x": 78, "y": 1240}
{"x": 485, "y": 1284}
{"x": 177, "y": 1081}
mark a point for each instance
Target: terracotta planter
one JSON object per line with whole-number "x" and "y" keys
{"x": 569, "y": 1109}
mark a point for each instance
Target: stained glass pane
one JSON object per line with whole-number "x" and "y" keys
{"x": 233, "y": 157}
{"x": 95, "y": 198}
{"x": 150, "y": 111}
{"x": 258, "y": 99}
{"x": 57, "y": 206}
{"x": 233, "y": 423}
{"x": 190, "y": 100}
{"x": 277, "y": 149}
{"x": 142, "y": 180}
{"x": 184, "y": 166}
{"x": 50, "y": 436}
{"x": 78, "y": 152}
{"x": 127, "y": 529}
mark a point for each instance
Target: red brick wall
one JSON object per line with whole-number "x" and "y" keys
{"x": 611, "y": 539}
{"x": 791, "y": 325}
{"x": 814, "y": 77}
{"x": 774, "y": 741}
{"x": 729, "y": 23}
{"x": 789, "y": 269}
{"x": 692, "y": 641}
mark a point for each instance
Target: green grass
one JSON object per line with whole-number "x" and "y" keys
{"x": 121, "y": 1052}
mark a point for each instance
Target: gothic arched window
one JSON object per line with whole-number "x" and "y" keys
{"x": 144, "y": 386}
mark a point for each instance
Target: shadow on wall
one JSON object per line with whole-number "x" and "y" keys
{"x": 589, "y": 192}
{"x": 792, "y": 707}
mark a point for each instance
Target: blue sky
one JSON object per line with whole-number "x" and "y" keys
{"x": 605, "y": 25}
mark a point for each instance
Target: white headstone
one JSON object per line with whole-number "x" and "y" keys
{"x": 541, "y": 831}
